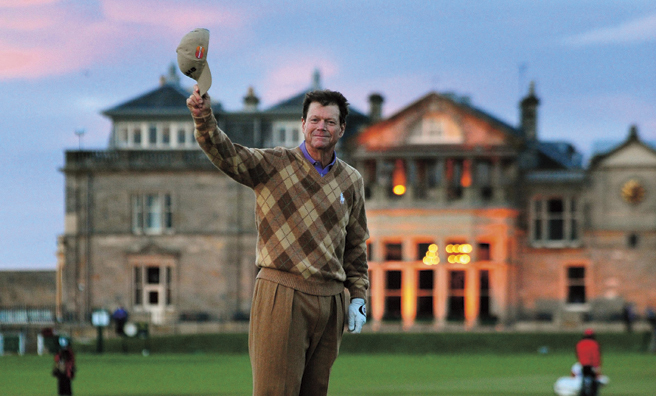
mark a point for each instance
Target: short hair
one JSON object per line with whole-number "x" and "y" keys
{"x": 327, "y": 97}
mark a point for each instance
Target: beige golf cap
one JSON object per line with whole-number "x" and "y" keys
{"x": 192, "y": 58}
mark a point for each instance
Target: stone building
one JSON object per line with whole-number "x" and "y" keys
{"x": 473, "y": 221}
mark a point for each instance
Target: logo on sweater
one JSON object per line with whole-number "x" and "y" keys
{"x": 341, "y": 198}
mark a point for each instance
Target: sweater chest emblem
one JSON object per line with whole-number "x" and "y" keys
{"x": 341, "y": 198}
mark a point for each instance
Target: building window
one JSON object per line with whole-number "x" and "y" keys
{"x": 152, "y": 213}
{"x": 393, "y": 252}
{"x": 287, "y": 134}
{"x": 484, "y": 310}
{"x": 393, "y": 284}
{"x": 456, "y": 298}
{"x": 484, "y": 179}
{"x": 483, "y": 252}
{"x": 633, "y": 241}
{"x": 160, "y": 135}
{"x": 136, "y": 136}
{"x": 166, "y": 135}
{"x": 152, "y": 134}
{"x": 454, "y": 178}
{"x": 576, "y": 285}
{"x": 426, "y": 281}
{"x": 370, "y": 251}
{"x": 422, "y": 249}
{"x": 555, "y": 220}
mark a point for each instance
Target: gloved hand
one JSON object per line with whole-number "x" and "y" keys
{"x": 357, "y": 315}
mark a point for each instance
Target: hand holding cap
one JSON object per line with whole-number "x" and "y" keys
{"x": 192, "y": 58}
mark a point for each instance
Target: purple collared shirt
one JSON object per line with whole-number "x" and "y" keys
{"x": 317, "y": 164}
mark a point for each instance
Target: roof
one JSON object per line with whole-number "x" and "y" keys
{"x": 603, "y": 150}
{"x": 167, "y": 99}
{"x": 462, "y": 103}
{"x": 294, "y": 106}
{"x": 556, "y": 176}
{"x": 563, "y": 153}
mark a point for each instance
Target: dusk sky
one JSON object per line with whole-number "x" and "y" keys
{"x": 63, "y": 62}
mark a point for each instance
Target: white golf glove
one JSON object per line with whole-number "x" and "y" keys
{"x": 357, "y": 315}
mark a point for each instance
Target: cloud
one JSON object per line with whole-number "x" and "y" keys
{"x": 25, "y": 3}
{"x": 45, "y": 38}
{"x": 294, "y": 73}
{"x": 636, "y": 31}
{"x": 177, "y": 16}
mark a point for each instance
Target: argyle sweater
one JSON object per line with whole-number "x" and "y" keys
{"x": 312, "y": 230}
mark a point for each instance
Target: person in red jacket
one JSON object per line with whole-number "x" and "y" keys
{"x": 588, "y": 354}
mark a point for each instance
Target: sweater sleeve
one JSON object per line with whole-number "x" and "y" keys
{"x": 244, "y": 165}
{"x": 355, "y": 251}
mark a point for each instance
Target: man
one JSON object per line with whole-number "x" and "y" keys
{"x": 312, "y": 233}
{"x": 64, "y": 368}
{"x": 588, "y": 354}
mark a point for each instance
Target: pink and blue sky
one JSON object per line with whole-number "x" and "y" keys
{"x": 64, "y": 61}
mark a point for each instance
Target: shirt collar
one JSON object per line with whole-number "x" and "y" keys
{"x": 317, "y": 164}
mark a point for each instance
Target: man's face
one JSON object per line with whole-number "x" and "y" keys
{"x": 321, "y": 128}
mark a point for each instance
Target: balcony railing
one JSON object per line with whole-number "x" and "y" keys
{"x": 136, "y": 160}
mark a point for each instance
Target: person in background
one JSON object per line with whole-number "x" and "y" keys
{"x": 588, "y": 354}
{"x": 628, "y": 315}
{"x": 651, "y": 318}
{"x": 64, "y": 368}
{"x": 120, "y": 317}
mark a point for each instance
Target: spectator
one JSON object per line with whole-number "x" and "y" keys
{"x": 588, "y": 354}
{"x": 628, "y": 316}
{"x": 120, "y": 317}
{"x": 651, "y": 318}
{"x": 64, "y": 368}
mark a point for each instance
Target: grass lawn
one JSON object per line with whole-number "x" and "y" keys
{"x": 631, "y": 374}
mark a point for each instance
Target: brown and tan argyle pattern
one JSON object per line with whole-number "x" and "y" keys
{"x": 312, "y": 229}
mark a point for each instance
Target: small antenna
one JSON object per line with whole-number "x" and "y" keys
{"x": 80, "y": 132}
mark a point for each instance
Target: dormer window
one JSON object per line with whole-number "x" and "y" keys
{"x": 432, "y": 129}
{"x": 154, "y": 135}
{"x": 436, "y": 129}
{"x": 287, "y": 134}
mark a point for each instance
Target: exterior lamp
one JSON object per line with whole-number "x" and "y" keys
{"x": 432, "y": 257}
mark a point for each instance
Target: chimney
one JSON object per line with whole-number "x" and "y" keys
{"x": 375, "y": 107}
{"x": 633, "y": 133}
{"x": 251, "y": 101}
{"x": 529, "y": 114}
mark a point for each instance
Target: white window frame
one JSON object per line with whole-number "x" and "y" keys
{"x": 125, "y": 135}
{"x": 152, "y": 213}
{"x": 571, "y": 217}
{"x": 291, "y": 131}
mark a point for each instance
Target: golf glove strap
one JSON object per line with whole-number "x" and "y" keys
{"x": 357, "y": 315}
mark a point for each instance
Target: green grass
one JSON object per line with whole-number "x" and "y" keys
{"x": 631, "y": 374}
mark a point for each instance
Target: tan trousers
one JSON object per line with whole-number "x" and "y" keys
{"x": 293, "y": 340}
